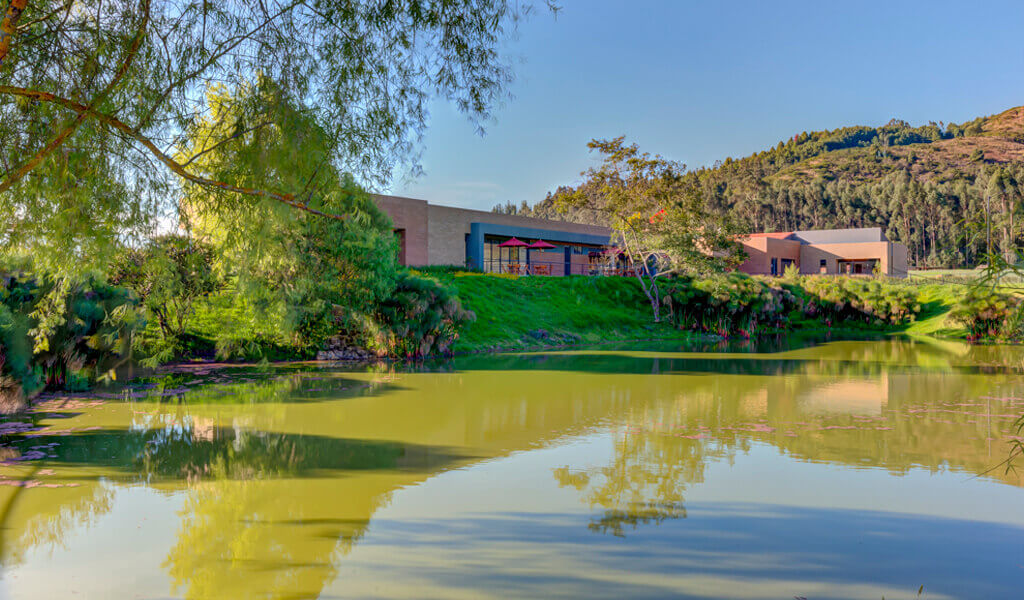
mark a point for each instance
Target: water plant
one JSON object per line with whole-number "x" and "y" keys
{"x": 985, "y": 312}
{"x": 421, "y": 317}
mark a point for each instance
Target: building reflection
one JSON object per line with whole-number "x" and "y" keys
{"x": 281, "y": 476}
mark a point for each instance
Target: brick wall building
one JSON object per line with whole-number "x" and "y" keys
{"x": 429, "y": 234}
{"x": 829, "y": 252}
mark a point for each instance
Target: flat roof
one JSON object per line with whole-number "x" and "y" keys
{"x": 850, "y": 235}
{"x": 781, "y": 235}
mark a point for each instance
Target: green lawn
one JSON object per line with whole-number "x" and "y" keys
{"x": 524, "y": 312}
{"x": 944, "y": 273}
{"x": 939, "y": 290}
{"x": 936, "y": 301}
{"x": 960, "y": 276}
{"x": 528, "y": 312}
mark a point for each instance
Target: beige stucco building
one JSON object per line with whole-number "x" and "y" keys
{"x": 828, "y": 251}
{"x": 430, "y": 234}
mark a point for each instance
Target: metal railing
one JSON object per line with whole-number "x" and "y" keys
{"x": 554, "y": 268}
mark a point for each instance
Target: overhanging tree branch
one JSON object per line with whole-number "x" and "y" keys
{"x": 233, "y": 136}
{"x": 171, "y": 164}
{"x": 65, "y": 7}
{"x": 60, "y": 138}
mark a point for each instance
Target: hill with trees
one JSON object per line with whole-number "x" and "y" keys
{"x": 950, "y": 192}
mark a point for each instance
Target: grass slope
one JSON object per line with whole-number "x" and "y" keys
{"x": 529, "y": 312}
{"x": 525, "y": 312}
{"x": 936, "y": 302}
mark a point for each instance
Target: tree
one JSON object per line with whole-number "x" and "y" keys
{"x": 168, "y": 275}
{"x": 662, "y": 223}
{"x": 319, "y": 274}
{"x": 96, "y": 96}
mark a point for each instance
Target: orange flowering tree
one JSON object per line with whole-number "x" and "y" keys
{"x": 661, "y": 223}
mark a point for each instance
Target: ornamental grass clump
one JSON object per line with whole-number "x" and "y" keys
{"x": 421, "y": 318}
{"x": 733, "y": 304}
{"x": 843, "y": 299}
{"x": 738, "y": 304}
{"x": 985, "y": 312}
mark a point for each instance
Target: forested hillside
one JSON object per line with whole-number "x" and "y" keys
{"x": 932, "y": 187}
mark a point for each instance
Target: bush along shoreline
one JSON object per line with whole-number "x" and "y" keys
{"x": 63, "y": 334}
{"x": 60, "y": 334}
{"x": 740, "y": 305}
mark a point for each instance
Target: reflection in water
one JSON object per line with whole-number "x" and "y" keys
{"x": 280, "y": 474}
{"x": 645, "y": 481}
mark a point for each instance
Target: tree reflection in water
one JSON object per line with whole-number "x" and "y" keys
{"x": 279, "y": 477}
{"x": 645, "y": 481}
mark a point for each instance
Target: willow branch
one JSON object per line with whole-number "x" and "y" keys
{"x": 59, "y": 139}
{"x": 45, "y": 151}
{"x": 233, "y": 136}
{"x": 174, "y": 166}
{"x": 66, "y": 6}
{"x": 216, "y": 54}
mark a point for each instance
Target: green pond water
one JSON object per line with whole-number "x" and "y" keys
{"x": 839, "y": 469}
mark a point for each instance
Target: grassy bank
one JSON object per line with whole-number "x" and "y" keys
{"x": 422, "y": 317}
{"x": 524, "y": 312}
{"x": 937, "y": 301}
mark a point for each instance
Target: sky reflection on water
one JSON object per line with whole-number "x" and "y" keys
{"x": 827, "y": 470}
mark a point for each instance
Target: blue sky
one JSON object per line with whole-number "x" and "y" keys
{"x": 700, "y": 81}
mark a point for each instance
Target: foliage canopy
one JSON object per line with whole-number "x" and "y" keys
{"x": 98, "y": 97}
{"x": 662, "y": 225}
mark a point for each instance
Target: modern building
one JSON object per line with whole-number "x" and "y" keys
{"x": 429, "y": 234}
{"x": 827, "y": 251}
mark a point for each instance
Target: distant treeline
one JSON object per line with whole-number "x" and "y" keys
{"x": 938, "y": 189}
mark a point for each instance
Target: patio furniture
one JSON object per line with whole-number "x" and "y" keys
{"x": 513, "y": 242}
{"x": 538, "y": 245}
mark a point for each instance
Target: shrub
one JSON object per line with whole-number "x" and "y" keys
{"x": 740, "y": 304}
{"x": 81, "y": 326}
{"x": 242, "y": 323}
{"x": 56, "y": 332}
{"x": 17, "y": 377}
{"x": 168, "y": 275}
{"x": 420, "y": 318}
{"x": 984, "y": 312}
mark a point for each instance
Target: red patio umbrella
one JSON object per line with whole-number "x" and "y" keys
{"x": 512, "y": 243}
{"x": 538, "y": 245}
